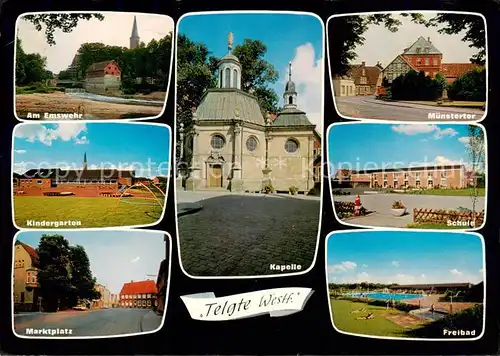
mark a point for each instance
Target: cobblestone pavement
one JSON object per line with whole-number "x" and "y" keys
{"x": 242, "y": 235}
{"x": 94, "y": 322}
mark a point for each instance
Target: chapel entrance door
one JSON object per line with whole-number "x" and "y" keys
{"x": 215, "y": 176}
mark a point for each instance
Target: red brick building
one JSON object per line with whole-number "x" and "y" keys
{"x": 424, "y": 56}
{"x": 103, "y": 76}
{"x": 448, "y": 176}
{"x": 454, "y": 70}
{"x": 142, "y": 294}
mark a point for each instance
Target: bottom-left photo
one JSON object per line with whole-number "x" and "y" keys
{"x": 79, "y": 284}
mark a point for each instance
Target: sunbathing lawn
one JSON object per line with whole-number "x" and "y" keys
{"x": 449, "y": 192}
{"x": 346, "y": 321}
{"x": 92, "y": 212}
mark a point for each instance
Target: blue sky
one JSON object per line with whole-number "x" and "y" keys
{"x": 289, "y": 38}
{"x": 116, "y": 257}
{"x": 368, "y": 146}
{"x": 404, "y": 257}
{"x": 140, "y": 146}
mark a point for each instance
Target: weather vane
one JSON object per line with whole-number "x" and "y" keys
{"x": 230, "y": 39}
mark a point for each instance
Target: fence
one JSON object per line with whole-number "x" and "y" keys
{"x": 344, "y": 207}
{"x": 438, "y": 216}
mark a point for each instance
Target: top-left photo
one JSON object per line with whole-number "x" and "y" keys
{"x": 92, "y": 65}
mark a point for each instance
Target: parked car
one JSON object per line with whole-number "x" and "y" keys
{"x": 80, "y": 307}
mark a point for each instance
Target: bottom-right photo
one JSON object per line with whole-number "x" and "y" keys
{"x": 396, "y": 284}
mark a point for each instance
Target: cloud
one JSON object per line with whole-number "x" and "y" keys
{"x": 44, "y": 134}
{"x": 20, "y": 151}
{"x": 307, "y": 73}
{"x": 441, "y": 161}
{"x": 365, "y": 266}
{"x": 363, "y": 277}
{"x": 456, "y": 272}
{"x": 134, "y": 260}
{"x": 395, "y": 263}
{"x": 342, "y": 267}
{"x": 418, "y": 129}
{"x": 82, "y": 140}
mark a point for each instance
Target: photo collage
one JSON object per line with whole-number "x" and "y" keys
{"x": 126, "y": 120}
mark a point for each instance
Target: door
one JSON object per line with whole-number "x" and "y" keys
{"x": 215, "y": 176}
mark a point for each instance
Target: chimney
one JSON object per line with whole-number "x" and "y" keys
{"x": 428, "y": 39}
{"x": 363, "y": 63}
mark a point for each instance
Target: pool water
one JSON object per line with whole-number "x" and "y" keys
{"x": 385, "y": 296}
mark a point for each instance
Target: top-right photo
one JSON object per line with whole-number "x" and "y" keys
{"x": 414, "y": 66}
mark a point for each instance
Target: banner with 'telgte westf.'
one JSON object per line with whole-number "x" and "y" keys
{"x": 275, "y": 302}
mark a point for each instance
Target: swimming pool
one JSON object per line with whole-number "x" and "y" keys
{"x": 384, "y": 296}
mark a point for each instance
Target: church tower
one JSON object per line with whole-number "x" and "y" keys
{"x": 229, "y": 68}
{"x": 134, "y": 39}
{"x": 290, "y": 95}
{"x": 85, "y": 161}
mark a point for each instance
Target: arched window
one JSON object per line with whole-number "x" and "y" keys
{"x": 291, "y": 146}
{"x": 228, "y": 78}
{"x": 252, "y": 144}
{"x": 235, "y": 78}
{"x": 220, "y": 79}
{"x": 290, "y": 99}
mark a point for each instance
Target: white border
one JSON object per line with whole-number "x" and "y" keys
{"x": 323, "y": 145}
{"x": 406, "y": 228}
{"x": 103, "y": 13}
{"x": 110, "y": 122}
{"x": 418, "y": 234}
{"x": 424, "y": 120}
{"x": 159, "y": 232}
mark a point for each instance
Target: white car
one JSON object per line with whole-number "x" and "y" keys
{"x": 80, "y": 307}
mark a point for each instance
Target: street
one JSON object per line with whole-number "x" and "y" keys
{"x": 94, "y": 322}
{"x": 381, "y": 205}
{"x": 368, "y": 107}
{"x": 242, "y": 235}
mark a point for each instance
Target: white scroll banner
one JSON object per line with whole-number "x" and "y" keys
{"x": 275, "y": 302}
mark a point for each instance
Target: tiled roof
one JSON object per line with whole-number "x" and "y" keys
{"x": 141, "y": 287}
{"x": 371, "y": 73}
{"x": 291, "y": 117}
{"x": 99, "y": 66}
{"x": 422, "y": 44}
{"x": 457, "y": 69}
{"x": 73, "y": 175}
{"x": 225, "y": 104}
{"x": 30, "y": 250}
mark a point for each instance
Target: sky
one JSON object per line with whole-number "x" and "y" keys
{"x": 362, "y": 146}
{"x": 289, "y": 38}
{"x": 404, "y": 257}
{"x": 114, "y": 30}
{"x": 116, "y": 257}
{"x": 383, "y": 46}
{"x": 142, "y": 147}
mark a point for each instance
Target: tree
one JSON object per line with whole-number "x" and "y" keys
{"x": 470, "y": 86}
{"x": 54, "y": 271}
{"x": 257, "y": 73}
{"x": 30, "y": 67}
{"x": 82, "y": 281}
{"x": 64, "y": 22}
{"x": 349, "y": 32}
{"x": 476, "y": 151}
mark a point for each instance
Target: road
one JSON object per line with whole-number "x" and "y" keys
{"x": 368, "y": 107}
{"x": 94, "y": 322}
{"x": 381, "y": 204}
{"x": 242, "y": 235}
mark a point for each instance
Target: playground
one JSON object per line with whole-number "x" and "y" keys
{"x": 92, "y": 205}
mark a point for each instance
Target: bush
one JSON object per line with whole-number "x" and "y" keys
{"x": 416, "y": 86}
{"x": 469, "y": 87}
{"x": 293, "y": 190}
{"x": 268, "y": 188}
{"x": 398, "y": 205}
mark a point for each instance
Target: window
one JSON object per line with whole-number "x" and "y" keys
{"x": 385, "y": 176}
{"x": 220, "y": 78}
{"x": 427, "y": 61}
{"x": 290, "y": 100}
{"x": 228, "y": 78}
{"x": 435, "y": 61}
{"x": 443, "y": 174}
{"x": 419, "y": 60}
{"x": 343, "y": 90}
{"x": 235, "y": 78}
{"x": 291, "y": 146}
{"x": 363, "y": 72}
{"x": 417, "y": 183}
{"x": 251, "y": 144}
{"x": 149, "y": 303}
{"x": 217, "y": 142}
{"x": 39, "y": 181}
{"x": 362, "y": 80}
{"x": 426, "y": 50}
{"x": 418, "y": 50}
{"x": 417, "y": 174}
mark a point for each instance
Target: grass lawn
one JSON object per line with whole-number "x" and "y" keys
{"x": 457, "y": 104}
{"x": 92, "y": 212}
{"x": 346, "y": 321}
{"x": 449, "y": 192}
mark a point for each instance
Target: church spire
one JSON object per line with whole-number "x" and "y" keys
{"x": 134, "y": 38}
{"x": 290, "y": 95}
{"x": 85, "y": 161}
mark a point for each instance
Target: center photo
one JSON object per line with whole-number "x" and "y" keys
{"x": 249, "y": 122}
